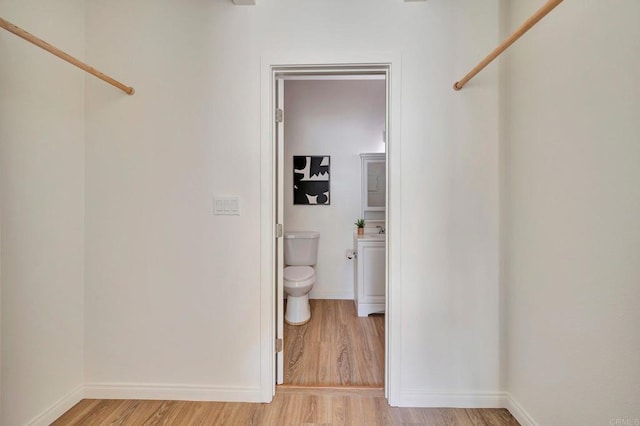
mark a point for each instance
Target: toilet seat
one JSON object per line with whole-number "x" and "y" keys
{"x": 298, "y": 279}
{"x": 298, "y": 273}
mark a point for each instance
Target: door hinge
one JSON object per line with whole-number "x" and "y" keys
{"x": 278, "y": 345}
{"x": 279, "y": 115}
{"x": 278, "y": 230}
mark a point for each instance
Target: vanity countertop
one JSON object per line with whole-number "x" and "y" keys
{"x": 369, "y": 236}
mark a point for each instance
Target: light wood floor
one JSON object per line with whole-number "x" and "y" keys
{"x": 335, "y": 348}
{"x": 289, "y": 407}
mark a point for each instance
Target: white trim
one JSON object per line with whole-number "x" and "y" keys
{"x": 518, "y": 412}
{"x": 338, "y": 295}
{"x": 267, "y": 235}
{"x": 315, "y": 77}
{"x": 272, "y": 63}
{"x": 175, "y": 392}
{"x": 366, "y": 309}
{"x": 418, "y": 398}
{"x": 394, "y": 232}
{"x": 60, "y": 407}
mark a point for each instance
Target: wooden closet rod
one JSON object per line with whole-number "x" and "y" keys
{"x": 62, "y": 55}
{"x": 541, "y": 13}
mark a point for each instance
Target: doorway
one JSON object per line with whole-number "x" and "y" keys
{"x": 272, "y": 188}
{"x": 333, "y": 125}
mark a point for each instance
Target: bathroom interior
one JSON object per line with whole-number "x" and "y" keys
{"x": 334, "y": 143}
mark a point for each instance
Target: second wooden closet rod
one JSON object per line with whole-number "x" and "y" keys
{"x": 541, "y": 13}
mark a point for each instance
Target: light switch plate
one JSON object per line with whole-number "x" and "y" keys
{"x": 226, "y": 205}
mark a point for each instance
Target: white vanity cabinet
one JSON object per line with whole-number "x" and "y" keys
{"x": 369, "y": 274}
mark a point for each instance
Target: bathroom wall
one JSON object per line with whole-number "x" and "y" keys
{"x": 340, "y": 118}
{"x": 41, "y": 213}
{"x": 573, "y": 206}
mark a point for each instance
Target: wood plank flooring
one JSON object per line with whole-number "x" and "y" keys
{"x": 289, "y": 407}
{"x": 335, "y": 348}
{"x": 336, "y": 352}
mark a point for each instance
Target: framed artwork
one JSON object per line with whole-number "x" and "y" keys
{"x": 311, "y": 179}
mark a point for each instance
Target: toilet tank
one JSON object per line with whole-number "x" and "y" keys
{"x": 301, "y": 248}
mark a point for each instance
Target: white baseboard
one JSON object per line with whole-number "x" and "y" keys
{"x": 415, "y": 398}
{"x": 518, "y": 412}
{"x": 418, "y": 398}
{"x": 171, "y": 392}
{"x": 366, "y": 309}
{"x": 340, "y": 295}
{"x": 59, "y": 408}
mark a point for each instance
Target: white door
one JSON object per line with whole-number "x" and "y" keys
{"x": 279, "y": 118}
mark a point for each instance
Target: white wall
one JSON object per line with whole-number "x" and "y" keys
{"x": 340, "y": 118}
{"x": 173, "y": 292}
{"x": 573, "y": 203}
{"x": 42, "y": 217}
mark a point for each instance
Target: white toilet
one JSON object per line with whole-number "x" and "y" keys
{"x": 300, "y": 254}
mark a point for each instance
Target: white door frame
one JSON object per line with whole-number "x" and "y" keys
{"x": 316, "y": 63}
{"x": 279, "y": 219}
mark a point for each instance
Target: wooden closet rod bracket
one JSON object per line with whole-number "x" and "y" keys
{"x": 62, "y": 55}
{"x": 541, "y": 13}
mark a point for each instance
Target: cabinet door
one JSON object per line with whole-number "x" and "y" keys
{"x": 374, "y": 187}
{"x": 373, "y": 271}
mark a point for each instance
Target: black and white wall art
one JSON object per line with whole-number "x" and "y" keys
{"x": 311, "y": 179}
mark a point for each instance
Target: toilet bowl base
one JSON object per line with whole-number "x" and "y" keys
{"x": 298, "y": 323}
{"x": 298, "y": 311}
